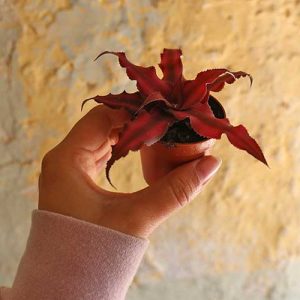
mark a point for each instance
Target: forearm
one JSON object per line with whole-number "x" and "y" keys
{"x": 66, "y": 258}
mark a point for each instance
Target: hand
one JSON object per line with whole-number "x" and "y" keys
{"x": 67, "y": 180}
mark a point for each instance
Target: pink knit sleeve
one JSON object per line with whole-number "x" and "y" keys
{"x": 66, "y": 258}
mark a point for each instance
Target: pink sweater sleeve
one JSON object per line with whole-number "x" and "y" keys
{"x": 66, "y": 258}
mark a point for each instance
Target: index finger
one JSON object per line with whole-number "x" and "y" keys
{"x": 93, "y": 130}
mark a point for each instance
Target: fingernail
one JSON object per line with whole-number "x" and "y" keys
{"x": 207, "y": 167}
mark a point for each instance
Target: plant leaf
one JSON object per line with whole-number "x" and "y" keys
{"x": 195, "y": 90}
{"x": 240, "y": 138}
{"x": 146, "y": 77}
{"x": 171, "y": 65}
{"x": 176, "y": 97}
{"x": 228, "y": 77}
{"x": 210, "y": 80}
{"x": 206, "y": 124}
{"x": 155, "y": 97}
{"x": 129, "y": 101}
{"x": 147, "y": 128}
{"x": 203, "y": 121}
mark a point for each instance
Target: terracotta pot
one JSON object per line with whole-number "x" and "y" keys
{"x": 159, "y": 159}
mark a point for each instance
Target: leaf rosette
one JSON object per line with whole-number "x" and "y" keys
{"x": 159, "y": 103}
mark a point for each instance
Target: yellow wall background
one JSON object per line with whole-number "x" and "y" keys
{"x": 240, "y": 238}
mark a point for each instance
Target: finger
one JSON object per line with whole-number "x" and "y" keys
{"x": 112, "y": 139}
{"x": 91, "y": 131}
{"x": 101, "y": 163}
{"x": 207, "y": 152}
{"x": 102, "y": 150}
{"x": 178, "y": 187}
{"x": 114, "y": 135}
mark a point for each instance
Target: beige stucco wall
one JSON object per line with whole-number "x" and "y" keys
{"x": 241, "y": 238}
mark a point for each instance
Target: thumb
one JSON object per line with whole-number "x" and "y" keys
{"x": 178, "y": 187}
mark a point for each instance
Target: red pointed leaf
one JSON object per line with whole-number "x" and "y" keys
{"x": 205, "y": 124}
{"x": 171, "y": 65}
{"x": 208, "y": 81}
{"x": 203, "y": 121}
{"x": 147, "y": 128}
{"x": 228, "y": 77}
{"x": 195, "y": 90}
{"x": 155, "y": 97}
{"x": 176, "y": 96}
{"x": 146, "y": 77}
{"x": 128, "y": 101}
{"x": 240, "y": 138}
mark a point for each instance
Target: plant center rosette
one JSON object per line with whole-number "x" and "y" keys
{"x": 171, "y": 111}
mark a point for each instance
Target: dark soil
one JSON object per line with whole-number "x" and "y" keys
{"x": 182, "y": 132}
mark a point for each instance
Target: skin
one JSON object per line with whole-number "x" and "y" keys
{"x": 68, "y": 172}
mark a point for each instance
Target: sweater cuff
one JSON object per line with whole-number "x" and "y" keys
{"x": 66, "y": 258}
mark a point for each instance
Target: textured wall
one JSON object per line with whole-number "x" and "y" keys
{"x": 241, "y": 238}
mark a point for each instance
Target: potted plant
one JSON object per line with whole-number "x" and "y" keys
{"x": 173, "y": 120}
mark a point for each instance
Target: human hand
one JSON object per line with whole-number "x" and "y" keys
{"x": 67, "y": 180}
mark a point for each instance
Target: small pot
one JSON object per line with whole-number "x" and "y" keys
{"x": 160, "y": 158}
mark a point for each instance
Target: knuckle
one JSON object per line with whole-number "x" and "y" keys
{"x": 52, "y": 162}
{"x": 184, "y": 188}
{"x": 181, "y": 190}
{"x": 47, "y": 161}
{"x": 48, "y": 169}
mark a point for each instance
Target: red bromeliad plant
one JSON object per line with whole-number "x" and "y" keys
{"x": 161, "y": 103}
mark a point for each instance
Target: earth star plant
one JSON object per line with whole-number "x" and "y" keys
{"x": 161, "y": 102}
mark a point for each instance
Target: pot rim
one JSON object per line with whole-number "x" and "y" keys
{"x": 220, "y": 107}
{"x": 208, "y": 141}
